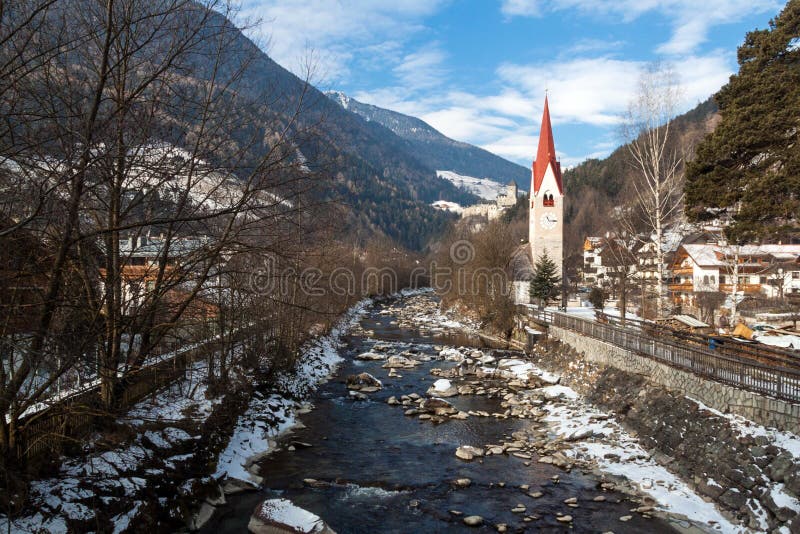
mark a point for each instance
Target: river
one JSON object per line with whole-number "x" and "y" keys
{"x": 378, "y": 470}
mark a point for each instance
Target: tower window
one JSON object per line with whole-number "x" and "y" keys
{"x": 547, "y": 200}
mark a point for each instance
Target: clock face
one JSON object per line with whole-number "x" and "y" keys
{"x": 548, "y": 221}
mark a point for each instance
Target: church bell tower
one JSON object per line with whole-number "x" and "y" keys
{"x": 546, "y": 222}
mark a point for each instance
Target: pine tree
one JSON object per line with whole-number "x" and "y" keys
{"x": 751, "y": 161}
{"x": 545, "y": 281}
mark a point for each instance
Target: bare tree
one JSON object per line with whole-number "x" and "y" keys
{"x": 656, "y": 158}
{"x": 146, "y": 181}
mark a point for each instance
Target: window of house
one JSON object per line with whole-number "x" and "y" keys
{"x": 713, "y": 279}
{"x": 722, "y": 279}
{"x": 762, "y": 280}
{"x": 705, "y": 279}
{"x": 795, "y": 275}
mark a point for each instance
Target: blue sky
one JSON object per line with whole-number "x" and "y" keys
{"x": 477, "y": 70}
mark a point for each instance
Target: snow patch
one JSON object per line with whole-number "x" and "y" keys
{"x": 284, "y": 512}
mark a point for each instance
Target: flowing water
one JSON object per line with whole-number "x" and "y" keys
{"x": 384, "y": 472}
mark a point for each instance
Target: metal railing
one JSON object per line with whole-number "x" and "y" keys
{"x": 772, "y": 380}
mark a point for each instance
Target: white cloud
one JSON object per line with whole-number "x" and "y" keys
{"x": 340, "y": 32}
{"x": 422, "y": 69}
{"x": 522, "y": 8}
{"x": 591, "y": 91}
{"x": 589, "y": 82}
{"x": 691, "y": 22}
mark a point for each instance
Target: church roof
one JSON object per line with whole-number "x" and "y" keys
{"x": 546, "y": 153}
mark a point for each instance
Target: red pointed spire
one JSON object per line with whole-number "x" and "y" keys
{"x": 546, "y": 154}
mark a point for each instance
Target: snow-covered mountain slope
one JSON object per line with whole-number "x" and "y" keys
{"x": 434, "y": 148}
{"x": 483, "y": 187}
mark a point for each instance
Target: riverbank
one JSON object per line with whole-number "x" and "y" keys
{"x": 751, "y": 473}
{"x": 174, "y": 456}
{"x": 418, "y": 430}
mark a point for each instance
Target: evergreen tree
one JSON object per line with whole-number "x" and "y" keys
{"x": 597, "y": 298}
{"x": 751, "y": 161}
{"x": 545, "y": 281}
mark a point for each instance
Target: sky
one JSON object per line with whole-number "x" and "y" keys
{"x": 478, "y": 70}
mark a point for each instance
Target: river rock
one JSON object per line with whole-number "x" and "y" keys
{"x": 564, "y": 518}
{"x": 216, "y": 496}
{"x": 399, "y": 362}
{"x": 451, "y": 354}
{"x": 202, "y": 516}
{"x": 437, "y": 406}
{"x": 233, "y": 486}
{"x": 461, "y": 482}
{"x": 281, "y": 516}
{"x": 370, "y": 356}
{"x": 468, "y": 452}
{"x": 442, "y": 388}
{"x": 473, "y": 520}
{"x": 362, "y": 380}
{"x": 314, "y": 483}
{"x": 581, "y": 433}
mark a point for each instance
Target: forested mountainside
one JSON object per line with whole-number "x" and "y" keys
{"x": 596, "y": 186}
{"x": 434, "y": 148}
{"x": 370, "y": 172}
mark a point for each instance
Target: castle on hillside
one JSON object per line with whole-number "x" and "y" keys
{"x": 507, "y": 198}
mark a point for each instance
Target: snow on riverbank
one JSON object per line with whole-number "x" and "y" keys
{"x": 116, "y": 477}
{"x": 786, "y": 441}
{"x": 603, "y": 441}
{"x": 267, "y": 418}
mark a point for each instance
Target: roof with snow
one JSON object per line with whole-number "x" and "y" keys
{"x": 716, "y": 256}
{"x": 546, "y": 154}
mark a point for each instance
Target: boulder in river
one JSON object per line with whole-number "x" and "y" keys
{"x": 442, "y": 388}
{"x": 281, "y": 516}
{"x": 473, "y": 520}
{"x": 468, "y": 452}
{"x": 370, "y": 356}
{"x": 399, "y": 362}
{"x": 437, "y": 406}
{"x": 363, "y": 380}
{"x": 451, "y": 354}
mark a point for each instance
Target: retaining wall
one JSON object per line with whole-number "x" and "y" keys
{"x": 763, "y": 410}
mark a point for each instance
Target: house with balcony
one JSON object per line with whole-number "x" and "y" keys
{"x": 592, "y": 271}
{"x": 746, "y": 270}
{"x": 606, "y": 259}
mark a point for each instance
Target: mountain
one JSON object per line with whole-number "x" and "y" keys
{"x": 385, "y": 186}
{"x": 594, "y": 188}
{"x": 434, "y": 148}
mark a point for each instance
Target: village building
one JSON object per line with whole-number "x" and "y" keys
{"x": 546, "y": 216}
{"x": 747, "y": 270}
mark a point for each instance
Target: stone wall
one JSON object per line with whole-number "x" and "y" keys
{"x": 741, "y": 472}
{"x": 763, "y": 410}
